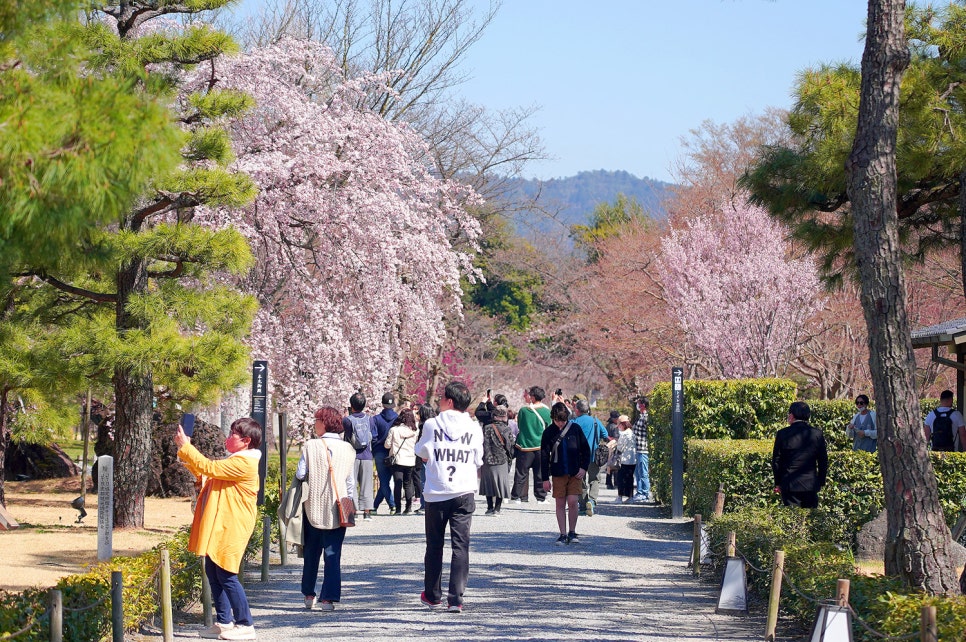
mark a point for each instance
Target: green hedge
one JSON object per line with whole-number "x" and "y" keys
{"x": 814, "y": 568}
{"x": 852, "y": 496}
{"x": 832, "y": 417}
{"x": 139, "y": 593}
{"x": 735, "y": 409}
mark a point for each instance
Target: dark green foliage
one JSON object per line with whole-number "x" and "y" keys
{"x": 852, "y": 496}
{"x": 141, "y": 595}
{"x": 607, "y": 221}
{"x": 832, "y": 416}
{"x": 733, "y": 409}
{"x": 814, "y": 567}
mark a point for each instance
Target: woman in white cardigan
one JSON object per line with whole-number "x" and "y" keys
{"x": 327, "y": 465}
{"x": 401, "y": 444}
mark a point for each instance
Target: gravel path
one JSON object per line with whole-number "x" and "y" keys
{"x": 626, "y": 580}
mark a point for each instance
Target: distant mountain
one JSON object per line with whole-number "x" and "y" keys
{"x": 572, "y": 199}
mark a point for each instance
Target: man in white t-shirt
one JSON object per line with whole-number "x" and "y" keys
{"x": 452, "y": 447}
{"x": 944, "y": 426}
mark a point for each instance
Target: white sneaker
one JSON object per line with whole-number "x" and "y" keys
{"x": 239, "y": 632}
{"x": 515, "y": 501}
{"x": 619, "y": 500}
{"x": 326, "y": 605}
{"x": 215, "y": 630}
{"x": 309, "y": 601}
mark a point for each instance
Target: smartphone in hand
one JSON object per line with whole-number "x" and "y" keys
{"x": 188, "y": 424}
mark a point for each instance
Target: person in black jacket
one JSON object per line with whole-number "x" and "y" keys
{"x": 564, "y": 458}
{"x": 799, "y": 459}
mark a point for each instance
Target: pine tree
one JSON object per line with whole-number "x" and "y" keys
{"x": 76, "y": 148}
{"x": 135, "y": 290}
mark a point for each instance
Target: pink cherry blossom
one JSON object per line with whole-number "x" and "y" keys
{"x": 740, "y": 295}
{"x": 359, "y": 248}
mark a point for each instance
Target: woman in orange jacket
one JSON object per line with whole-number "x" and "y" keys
{"x": 223, "y": 522}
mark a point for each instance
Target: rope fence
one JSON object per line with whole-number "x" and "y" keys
{"x": 779, "y": 578}
{"x": 159, "y": 580}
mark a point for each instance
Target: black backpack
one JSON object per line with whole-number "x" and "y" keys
{"x": 361, "y": 434}
{"x": 942, "y": 430}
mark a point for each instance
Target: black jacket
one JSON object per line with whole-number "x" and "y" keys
{"x": 800, "y": 458}
{"x": 568, "y": 457}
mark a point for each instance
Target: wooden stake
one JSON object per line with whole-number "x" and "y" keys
{"x": 732, "y": 547}
{"x": 719, "y": 500}
{"x": 928, "y": 629}
{"x": 842, "y": 593}
{"x": 774, "y": 596}
{"x": 167, "y": 618}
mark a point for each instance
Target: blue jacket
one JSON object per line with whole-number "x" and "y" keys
{"x": 381, "y": 424}
{"x": 594, "y": 431}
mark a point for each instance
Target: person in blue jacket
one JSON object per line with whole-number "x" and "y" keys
{"x": 381, "y": 424}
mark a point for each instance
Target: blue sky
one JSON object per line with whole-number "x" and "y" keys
{"x": 619, "y": 82}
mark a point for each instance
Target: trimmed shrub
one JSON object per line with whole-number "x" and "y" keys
{"x": 832, "y": 417}
{"x": 731, "y": 409}
{"x": 140, "y": 576}
{"x": 852, "y": 496}
{"x": 814, "y": 568}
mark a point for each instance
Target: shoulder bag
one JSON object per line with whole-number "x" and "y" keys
{"x": 347, "y": 507}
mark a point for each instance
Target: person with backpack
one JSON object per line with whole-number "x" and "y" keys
{"x": 357, "y": 428}
{"x": 564, "y": 458}
{"x": 944, "y": 427}
{"x": 862, "y": 430}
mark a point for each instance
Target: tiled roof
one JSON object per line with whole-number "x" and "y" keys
{"x": 939, "y": 334}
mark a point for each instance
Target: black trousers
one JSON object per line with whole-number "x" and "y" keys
{"x": 458, "y": 513}
{"x": 800, "y": 498}
{"x": 527, "y": 460}
{"x": 402, "y": 480}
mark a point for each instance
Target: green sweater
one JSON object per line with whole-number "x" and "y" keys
{"x": 531, "y": 427}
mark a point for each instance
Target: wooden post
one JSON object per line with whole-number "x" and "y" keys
{"x": 266, "y": 545}
{"x": 731, "y": 550}
{"x": 696, "y": 547}
{"x": 842, "y": 593}
{"x": 56, "y": 615}
{"x": 167, "y": 619}
{"x": 117, "y": 595}
{"x": 776, "y": 592}
{"x": 206, "y": 595}
{"x": 928, "y": 628}
{"x": 719, "y": 500}
{"x": 282, "y": 481}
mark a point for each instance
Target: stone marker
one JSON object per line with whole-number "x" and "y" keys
{"x": 105, "y": 508}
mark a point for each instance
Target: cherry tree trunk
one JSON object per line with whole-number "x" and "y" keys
{"x": 918, "y": 542}
{"x": 134, "y": 399}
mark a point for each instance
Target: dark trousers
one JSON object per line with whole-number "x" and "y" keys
{"x": 227, "y": 595}
{"x": 384, "y": 473}
{"x": 528, "y": 460}
{"x": 458, "y": 513}
{"x": 625, "y": 480}
{"x": 402, "y": 479}
{"x": 800, "y": 498}
{"x": 325, "y": 544}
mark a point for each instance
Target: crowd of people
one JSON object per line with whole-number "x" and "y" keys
{"x": 416, "y": 460}
{"x": 441, "y": 459}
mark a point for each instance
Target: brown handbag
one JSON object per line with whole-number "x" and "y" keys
{"x": 346, "y": 506}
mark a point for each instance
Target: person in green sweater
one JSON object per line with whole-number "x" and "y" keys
{"x": 532, "y": 419}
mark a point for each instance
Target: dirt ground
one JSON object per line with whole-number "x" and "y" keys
{"x": 50, "y": 545}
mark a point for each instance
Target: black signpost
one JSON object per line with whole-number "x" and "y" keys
{"x": 259, "y": 399}
{"x": 677, "y": 443}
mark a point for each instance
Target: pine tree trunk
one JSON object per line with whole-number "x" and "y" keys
{"x": 134, "y": 400}
{"x": 918, "y": 541}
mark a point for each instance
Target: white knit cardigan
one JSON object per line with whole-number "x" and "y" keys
{"x": 320, "y": 507}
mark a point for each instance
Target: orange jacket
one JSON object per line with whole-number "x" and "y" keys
{"x": 225, "y": 513}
